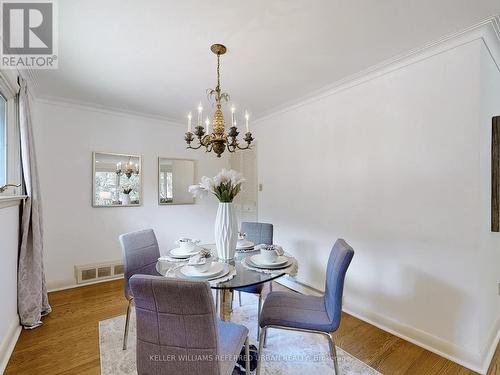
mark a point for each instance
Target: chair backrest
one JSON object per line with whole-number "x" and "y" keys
{"x": 340, "y": 258}
{"x": 140, "y": 253}
{"x": 176, "y": 326}
{"x": 258, "y": 232}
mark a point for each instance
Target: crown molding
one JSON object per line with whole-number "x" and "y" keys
{"x": 491, "y": 39}
{"x": 487, "y": 30}
{"x": 70, "y": 103}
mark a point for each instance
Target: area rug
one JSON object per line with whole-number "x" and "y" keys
{"x": 286, "y": 352}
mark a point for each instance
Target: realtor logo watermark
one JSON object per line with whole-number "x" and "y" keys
{"x": 29, "y": 34}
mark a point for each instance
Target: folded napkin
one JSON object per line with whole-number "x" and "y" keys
{"x": 197, "y": 259}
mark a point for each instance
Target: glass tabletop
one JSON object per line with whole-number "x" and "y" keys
{"x": 244, "y": 277}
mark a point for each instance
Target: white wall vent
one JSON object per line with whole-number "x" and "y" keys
{"x": 99, "y": 271}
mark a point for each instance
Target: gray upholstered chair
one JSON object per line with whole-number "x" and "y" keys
{"x": 298, "y": 312}
{"x": 140, "y": 253}
{"x": 258, "y": 233}
{"x": 178, "y": 331}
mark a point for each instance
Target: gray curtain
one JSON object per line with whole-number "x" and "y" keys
{"x": 32, "y": 298}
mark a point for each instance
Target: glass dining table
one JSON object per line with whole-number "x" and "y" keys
{"x": 244, "y": 277}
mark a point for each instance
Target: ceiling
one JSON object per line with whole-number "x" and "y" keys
{"x": 153, "y": 57}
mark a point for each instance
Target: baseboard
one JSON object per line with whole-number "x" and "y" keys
{"x": 56, "y": 287}
{"x": 434, "y": 344}
{"x": 8, "y": 344}
{"x": 297, "y": 286}
{"x": 492, "y": 349}
{"x": 420, "y": 338}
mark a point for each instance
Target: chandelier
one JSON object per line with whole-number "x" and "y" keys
{"x": 129, "y": 169}
{"x": 217, "y": 140}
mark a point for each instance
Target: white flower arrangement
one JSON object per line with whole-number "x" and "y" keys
{"x": 225, "y": 186}
{"x": 127, "y": 188}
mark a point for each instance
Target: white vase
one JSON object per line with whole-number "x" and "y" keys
{"x": 226, "y": 231}
{"x": 125, "y": 199}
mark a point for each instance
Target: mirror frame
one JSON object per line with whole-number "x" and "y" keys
{"x": 158, "y": 180}
{"x": 140, "y": 184}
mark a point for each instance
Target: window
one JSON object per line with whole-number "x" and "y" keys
{"x": 166, "y": 193}
{"x": 3, "y": 141}
{"x": 10, "y": 153}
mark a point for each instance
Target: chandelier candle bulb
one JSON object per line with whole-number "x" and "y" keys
{"x": 207, "y": 123}
{"x": 246, "y": 119}
{"x": 200, "y": 111}
{"x": 232, "y": 115}
{"x": 189, "y": 122}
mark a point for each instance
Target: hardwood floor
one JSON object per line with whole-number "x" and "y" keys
{"x": 67, "y": 343}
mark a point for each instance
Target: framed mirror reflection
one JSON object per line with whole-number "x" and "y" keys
{"x": 117, "y": 180}
{"x": 174, "y": 178}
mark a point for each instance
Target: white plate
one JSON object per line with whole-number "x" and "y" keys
{"x": 259, "y": 261}
{"x": 244, "y": 244}
{"x": 164, "y": 258}
{"x": 215, "y": 269}
{"x": 181, "y": 253}
{"x": 247, "y": 250}
{"x": 271, "y": 268}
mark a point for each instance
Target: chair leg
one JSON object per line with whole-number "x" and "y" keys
{"x": 333, "y": 351}
{"x": 239, "y": 297}
{"x": 247, "y": 355}
{"x": 217, "y": 301}
{"x": 261, "y": 348}
{"x": 265, "y": 339}
{"x": 127, "y": 319}
{"x": 258, "y": 315}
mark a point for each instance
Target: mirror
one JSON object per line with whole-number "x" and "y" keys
{"x": 174, "y": 178}
{"x": 117, "y": 180}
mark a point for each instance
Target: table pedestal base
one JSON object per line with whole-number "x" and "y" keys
{"x": 225, "y": 304}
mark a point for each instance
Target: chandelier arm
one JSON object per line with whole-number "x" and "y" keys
{"x": 194, "y": 148}
{"x": 244, "y": 148}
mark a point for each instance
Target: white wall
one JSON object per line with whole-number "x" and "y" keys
{"x": 245, "y": 203}
{"x": 489, "y": 243}
{"x": 76, "y": 233}
{"x": 182, "y": 178}
{"x": 395, "y": 165}
{"x": 9, "y": 320}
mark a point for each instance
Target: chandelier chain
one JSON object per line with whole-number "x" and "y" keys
{"x": 218, "y": 77}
